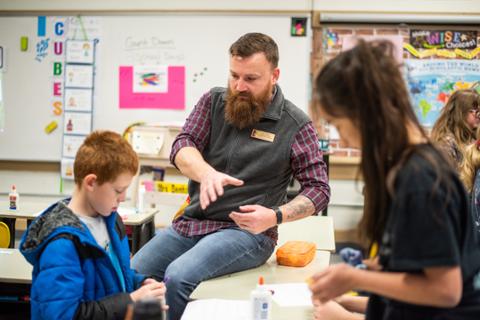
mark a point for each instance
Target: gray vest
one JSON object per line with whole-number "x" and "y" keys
{"x": 263, "y": 166}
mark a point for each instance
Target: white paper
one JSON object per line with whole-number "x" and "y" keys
{"x": 333, "y": 133}
{"x": 71, "y": 145}
{"x": 292, "y": 294}
{"x": 2, "y": 109}
{"x": 150, "y": 79}
{"x": 146, "y": 142}
{"x": 124, "y": 212}
{"x": 79, "y": 51}
{"x": 78, "y": 99}
{"x": 1, "y": 58}
{"x": 67, "y": 168}
{"x": 79, "y": 76}
{"x": 77, "y": 123}
{"x": 84, "y": 28}
{"x": 217, "y": 309}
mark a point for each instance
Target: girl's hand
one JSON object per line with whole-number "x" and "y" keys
{"x": 373, "y": 264}
{"x": 332, "y": 282}
{"x": 331, "y": 310}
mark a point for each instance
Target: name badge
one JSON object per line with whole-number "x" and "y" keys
{"x": 262, "y": 135}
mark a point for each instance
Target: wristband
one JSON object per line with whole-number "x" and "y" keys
{"x": 279, "y": 214}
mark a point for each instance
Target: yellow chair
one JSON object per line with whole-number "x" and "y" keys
{"x": 181, "y": 210}
{"x": 4, "y": 235}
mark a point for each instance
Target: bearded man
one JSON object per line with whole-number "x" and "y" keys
{"x": 240, "y": 147}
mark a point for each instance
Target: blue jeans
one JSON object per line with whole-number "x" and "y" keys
{"x": 187, "y": 261}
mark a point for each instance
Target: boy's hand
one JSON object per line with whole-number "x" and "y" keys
{"x": 150, "y": 289}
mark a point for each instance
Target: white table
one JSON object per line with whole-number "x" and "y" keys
{"x": 13, "y": 267}
{"x": 31, "y": 207}
{"x": 316, "y": 229}
{"x": 28, "y": 208}
{"x": 237, "y": 286}
{"x": 15, "y": 284}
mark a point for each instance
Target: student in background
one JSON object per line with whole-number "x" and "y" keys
{"x": 240, "y": 147}
{"x": 78, "y": 247}
{"x": 470, "y": 175}
{"x": 415, "y": 207}
{"x": 455, "y": 128}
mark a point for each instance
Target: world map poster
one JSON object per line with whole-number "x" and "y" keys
{"x": 431, "y": 82}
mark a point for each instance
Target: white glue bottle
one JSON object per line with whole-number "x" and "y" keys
{"x": 261, "y": 302}
{"x": 141, "y": 197}
{"x": 13, "y": 198}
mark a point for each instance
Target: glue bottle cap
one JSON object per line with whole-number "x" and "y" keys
{"x": 261, "y": 281}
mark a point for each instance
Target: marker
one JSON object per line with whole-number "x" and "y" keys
{"x": 51, "y": 126}
{"x": 24, "y": 43}
{"x": 41, "y": 26}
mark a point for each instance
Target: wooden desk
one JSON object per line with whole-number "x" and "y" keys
{"x": 143, "y": 227}
{"x": 238, "y": 285}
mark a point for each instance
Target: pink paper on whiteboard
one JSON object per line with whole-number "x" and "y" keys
{"x": 174, "y": 98}
{"x": 350, "y": 41}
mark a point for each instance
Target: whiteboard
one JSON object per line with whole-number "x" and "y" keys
{"x": 199, "y": 42}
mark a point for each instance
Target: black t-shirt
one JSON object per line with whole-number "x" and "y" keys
{"x": 429, "y": 225}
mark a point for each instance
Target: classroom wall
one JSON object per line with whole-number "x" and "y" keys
{"x": 161, "y": 5}
{"x": 346, "y": 202}
{"x": 405, "y": 6}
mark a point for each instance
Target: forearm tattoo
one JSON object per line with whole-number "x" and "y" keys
{"x": 298, "y": 208}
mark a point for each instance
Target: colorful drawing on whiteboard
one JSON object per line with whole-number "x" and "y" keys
{"x": 42, "y": 49}
{"x": 431, "y": 82}
{"x": 144, "y": 97}
{"x": 152, "y": 79}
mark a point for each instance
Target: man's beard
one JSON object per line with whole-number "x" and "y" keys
{"x": 243, "y": 110}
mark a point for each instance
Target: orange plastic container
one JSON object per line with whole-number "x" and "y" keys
{"x": 296, "y": 253}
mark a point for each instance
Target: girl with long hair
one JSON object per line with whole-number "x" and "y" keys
{"x": 455, "y": 128}
{"x": 415, "y": 208}
{"x": 470, "y": 175}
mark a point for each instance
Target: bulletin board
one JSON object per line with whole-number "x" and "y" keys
{"x": 192, "y": 48}
{"x": 437, "y": 60}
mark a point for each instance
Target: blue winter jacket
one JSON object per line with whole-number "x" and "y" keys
{"x": 73, "y": 277}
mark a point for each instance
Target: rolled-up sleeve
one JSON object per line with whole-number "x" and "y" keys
{"x": 196, "y": 130}
{"x": 309, "y": 168}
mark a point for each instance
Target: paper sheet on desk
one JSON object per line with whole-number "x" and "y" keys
{"x": 291, "y": 294}
{"x": 124, "y": 212}
{"x": 217, "y": 309}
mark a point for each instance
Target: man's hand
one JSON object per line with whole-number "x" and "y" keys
{"x": 211, "y": 186}
{"x": 254, "y": 218}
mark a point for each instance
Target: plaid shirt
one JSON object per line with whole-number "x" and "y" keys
{"x": 306, "y": 161}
